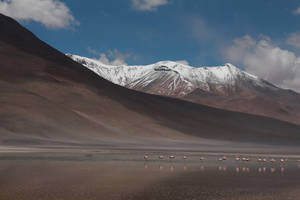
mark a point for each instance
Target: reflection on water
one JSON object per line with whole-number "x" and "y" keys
{"x": 272, "y": 169}
{"x": 202, "y": 168}
{"x": 161, "y": 167}
{"x": 135, "y": 178}
{"x": 220, "y": 168}
{"x": 146, "y": 166}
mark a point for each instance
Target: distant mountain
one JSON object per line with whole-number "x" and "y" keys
{"x": 226, "y": 87}
{"x": 174, "y": 79}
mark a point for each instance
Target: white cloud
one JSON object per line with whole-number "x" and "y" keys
{"x": 111, "y": 57}
{"x": 51, "y": 13}
{"x": 294, "y": 40}
{"x": 266, "y": 60}
{"x": 148, "y": 5}
{"x": 240, "y": 49}
{"x": 184, "y": 62}
{"x": 297, "y": 11}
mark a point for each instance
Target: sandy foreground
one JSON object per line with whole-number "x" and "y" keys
{"x": 124, "y": 174}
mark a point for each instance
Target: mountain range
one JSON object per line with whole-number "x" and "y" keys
{"x": 226, "y": 87}
{"x": 48, "y": 99}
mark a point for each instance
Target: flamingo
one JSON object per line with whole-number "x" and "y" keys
{"x": 172, "y": 157}
{"x": 185, "y": 157}
{"x": 146, "y": 157}
{"x": 272, "y": 160}
{"x": 161, "y": 157}
{"x": 202, "y": 158}
{"x": 237, "y": 158}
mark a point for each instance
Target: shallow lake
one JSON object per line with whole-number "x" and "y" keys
{"x": 126, "y": 175}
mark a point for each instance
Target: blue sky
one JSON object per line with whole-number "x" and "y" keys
{"x": 202, "y": 32}
{"x": 170, "y": 32}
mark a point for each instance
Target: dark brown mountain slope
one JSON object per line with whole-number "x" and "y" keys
{"x": 273, "y": 102}
{"x": 46, "y": 98}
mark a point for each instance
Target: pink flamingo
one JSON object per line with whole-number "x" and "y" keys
{"x": 146, "y": 157}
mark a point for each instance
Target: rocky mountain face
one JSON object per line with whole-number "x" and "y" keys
{"x": 226, "y": 87}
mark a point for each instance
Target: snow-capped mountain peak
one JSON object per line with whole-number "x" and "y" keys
{"x": 173, "y": 78}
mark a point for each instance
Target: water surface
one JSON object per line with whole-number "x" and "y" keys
{"x": 126, "y": 175}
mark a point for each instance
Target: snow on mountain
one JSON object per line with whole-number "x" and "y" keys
{"x": 173, "y": 79}
{"x": 226, "y": 87}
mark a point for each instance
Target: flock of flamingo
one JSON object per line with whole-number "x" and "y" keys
{"x": 243, "y": 159}
{"x": 224, "y": 158}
